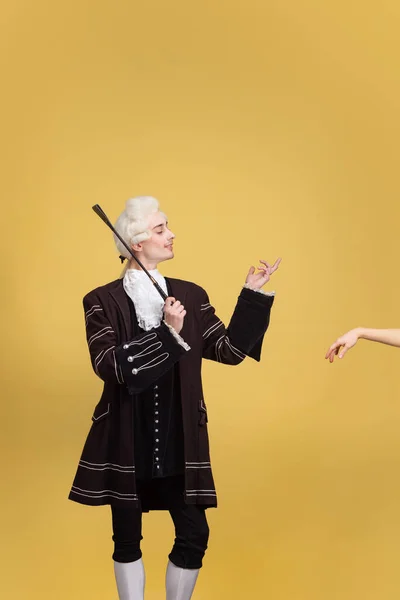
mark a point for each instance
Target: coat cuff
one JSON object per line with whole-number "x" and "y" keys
{"x": 147, "y": 357}
{"x": 256, "y": 299}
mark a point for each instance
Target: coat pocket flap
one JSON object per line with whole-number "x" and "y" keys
{"x": 100, "y": 412}
{"x": 203, "y": 412}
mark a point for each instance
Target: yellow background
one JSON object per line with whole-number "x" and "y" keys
{"x": 266, "y": 129}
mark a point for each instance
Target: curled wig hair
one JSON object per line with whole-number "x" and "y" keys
{"x": 133, "y": 223}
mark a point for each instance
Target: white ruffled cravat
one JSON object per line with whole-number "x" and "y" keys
{"x": 149, "y": 305}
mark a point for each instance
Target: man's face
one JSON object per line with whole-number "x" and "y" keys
{"x": 159, "y": 246}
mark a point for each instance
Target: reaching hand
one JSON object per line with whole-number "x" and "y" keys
{"x": 342, "y": 345}
{"x": 257, "y": 280}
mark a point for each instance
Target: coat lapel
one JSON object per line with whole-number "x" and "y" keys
{"x": 178, "y": 290}
{"x": 121, "y": 299}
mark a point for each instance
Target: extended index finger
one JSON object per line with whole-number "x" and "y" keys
{"x": 276, "y": 264}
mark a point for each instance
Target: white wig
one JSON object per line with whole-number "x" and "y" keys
{"x": 133, "y": 223}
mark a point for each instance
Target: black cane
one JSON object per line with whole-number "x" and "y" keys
{"x": 100, "y": 213}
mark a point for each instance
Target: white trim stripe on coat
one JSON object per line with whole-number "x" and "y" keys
{"x": 100, "y": 334}
{"x": 95, "y": 493}
{"x": 211, "y": 329}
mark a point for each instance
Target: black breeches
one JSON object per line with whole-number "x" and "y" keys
{"x": 191, "y": 533}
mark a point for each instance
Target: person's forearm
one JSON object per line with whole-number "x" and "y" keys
{"x": 384, "y": 336}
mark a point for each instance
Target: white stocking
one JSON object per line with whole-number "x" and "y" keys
{"x": 180, "y": 582}
{"x": 130, "y": 579}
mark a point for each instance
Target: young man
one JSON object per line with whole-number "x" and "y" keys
{"x": 148, "y": 446}
{"x": 391, "y": 337}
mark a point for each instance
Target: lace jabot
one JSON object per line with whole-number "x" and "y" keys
{"x": 148, "y": 302}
